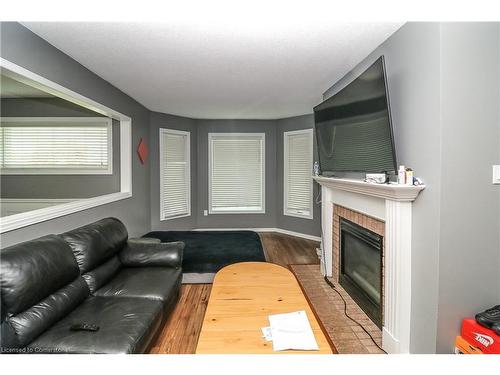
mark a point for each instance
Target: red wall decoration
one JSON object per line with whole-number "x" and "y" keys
{"x": 142, "y": 151}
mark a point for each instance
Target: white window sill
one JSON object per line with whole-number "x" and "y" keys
{"x": 299, "y": 215}
{"x": 236, "y": 211}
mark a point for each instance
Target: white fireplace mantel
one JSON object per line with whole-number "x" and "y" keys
{"x": 395, "y": 192}
{"x": 391, "y": 203}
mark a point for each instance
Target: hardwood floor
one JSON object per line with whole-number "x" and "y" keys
{"x": 180, "y": 333}
{"x": 283, "y": 249}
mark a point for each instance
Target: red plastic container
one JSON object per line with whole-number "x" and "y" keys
{"x": 483, "y": 338}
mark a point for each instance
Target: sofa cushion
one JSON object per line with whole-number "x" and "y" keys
{"x": 33, "y": 270}
{"x": 148, "y": 282}
{"x": 146, "y": 253}
{"x": 102, "y": 274}
{"x": 19, "y": 330}
{"x": 95, "y": 243}
{"x": 126, "y": 325}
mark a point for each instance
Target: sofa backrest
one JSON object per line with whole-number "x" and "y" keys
{"x": 95, "y": 247}
{"x": 40, "y": 284}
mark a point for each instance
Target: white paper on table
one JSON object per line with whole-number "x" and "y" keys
{"x": 266, "y": 333}
{"x": 292, "y": 331}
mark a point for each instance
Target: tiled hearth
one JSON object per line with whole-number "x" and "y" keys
{"x": 347, "y": 336}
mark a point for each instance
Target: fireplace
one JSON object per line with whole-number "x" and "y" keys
{"x": 361, "y": 267}
{"x": 385, "y": 209}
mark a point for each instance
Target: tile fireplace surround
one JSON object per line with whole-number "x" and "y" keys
{"x": 389, "y": 204}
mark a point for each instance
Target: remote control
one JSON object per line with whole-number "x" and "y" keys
{"x": 84, "y": 327}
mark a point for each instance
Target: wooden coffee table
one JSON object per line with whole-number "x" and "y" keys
{"x": 242, "y": 297}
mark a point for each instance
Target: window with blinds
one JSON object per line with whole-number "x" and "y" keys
{"x": 236, "y": 172}
{"x": 175, "y": 174}
{"x": 58, "y": 145}
{"x": 298, "y": 183}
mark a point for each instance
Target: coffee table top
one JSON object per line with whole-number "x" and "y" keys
{"x": 242, "y": 297}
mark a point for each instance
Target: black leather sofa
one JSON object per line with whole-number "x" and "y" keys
{"x": 90, "y": 275}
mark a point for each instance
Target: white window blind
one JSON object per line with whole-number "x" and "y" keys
{"x": 298, "y": 183}
{"x": 175, "y": 174}
{"x": 236, "y": 172}
{"x": 60, "y": 145}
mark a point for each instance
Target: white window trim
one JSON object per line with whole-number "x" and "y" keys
{"x": 263, "y": 185}
{"x": 296, "y": 213}
{"x": 9, "y": 223}
{"x": 62, "y": 171}
{"x": 188, "y": 171}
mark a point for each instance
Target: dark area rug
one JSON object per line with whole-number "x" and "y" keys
{"x": 209, "y": 251}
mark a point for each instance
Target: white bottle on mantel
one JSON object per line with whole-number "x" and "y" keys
{"x": 402, "y": 175}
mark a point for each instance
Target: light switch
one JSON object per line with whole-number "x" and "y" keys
{"x": 496, "y": 174}
{"x": 205, "y": 212}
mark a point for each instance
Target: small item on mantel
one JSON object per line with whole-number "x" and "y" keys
{"x": 417, "y": 181}
{"x": 401, "y": 175}
{"x": 316, "y": 170}
{"x": 409, "y": 176}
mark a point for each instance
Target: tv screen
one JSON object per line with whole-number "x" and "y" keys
{"x": 353, "y": 127}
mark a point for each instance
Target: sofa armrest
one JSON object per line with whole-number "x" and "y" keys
{"x": 147, "y": 252}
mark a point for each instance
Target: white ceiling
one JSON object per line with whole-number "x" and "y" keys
{"x": 220, "y": 69}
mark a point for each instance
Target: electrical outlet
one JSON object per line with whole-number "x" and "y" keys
{"x": 496, "y": 174}
{"x": 205, "y": 212}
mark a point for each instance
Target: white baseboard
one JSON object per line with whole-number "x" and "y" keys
{"x": 297, "y": 234}
{"x": 389, "y": 343}
{"x": 276, "y": 230}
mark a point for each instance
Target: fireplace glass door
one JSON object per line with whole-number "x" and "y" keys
{"x": 361, "y": 267}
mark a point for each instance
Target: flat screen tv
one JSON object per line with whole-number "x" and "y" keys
{"x": 353, "y": 127}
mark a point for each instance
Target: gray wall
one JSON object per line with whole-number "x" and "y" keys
{"x": 157, "y": 121}
{"x": 267, "y": 220}
{"x": 22, "y": 47}
{"x": 469, "y": 254}
{"x": 58, "y": 186}
{"x": 413, "y": 75}
{"x": 307, "y": 226}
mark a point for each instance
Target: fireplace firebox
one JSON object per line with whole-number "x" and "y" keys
{"x": 361, "y": 267}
